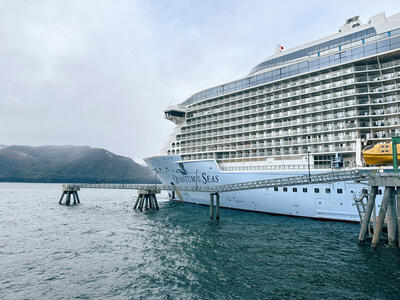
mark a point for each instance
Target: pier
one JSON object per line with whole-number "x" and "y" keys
{"x": 147, "y": 192}
{"x": 389, "y": 210}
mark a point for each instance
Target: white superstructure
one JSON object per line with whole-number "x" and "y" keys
{"x": 313, "y": 107}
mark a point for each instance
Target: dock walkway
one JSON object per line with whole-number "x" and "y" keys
{"x": 353, "y": 175}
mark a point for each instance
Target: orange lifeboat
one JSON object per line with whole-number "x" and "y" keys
{"x": 380, "y": 154}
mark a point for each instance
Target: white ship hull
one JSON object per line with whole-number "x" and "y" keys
{"x": 333, "y": 201}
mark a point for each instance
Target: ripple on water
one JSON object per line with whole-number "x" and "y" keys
{"x": 104, "y": 249}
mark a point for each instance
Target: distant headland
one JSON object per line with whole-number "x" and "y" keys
{"x": 69, "y": 164}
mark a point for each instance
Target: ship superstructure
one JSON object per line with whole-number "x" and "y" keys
{"x": 311, "y": 107}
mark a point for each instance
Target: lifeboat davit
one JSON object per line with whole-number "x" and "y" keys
{"x": 380, "y": 154}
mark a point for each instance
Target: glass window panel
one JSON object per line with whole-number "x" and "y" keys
{"x": 382, "y": 49}
{"x": 294, "y": 67}
{"x": 313, "y": 63}
{"x": 346, "y": 53}
{"x": 353, "y": 37}
{"x": 303, "y": 65}
{"x": 357, "y": 56}
{"x": 324, "y": 64}
{"x": 285, "y": 70}
{"x": 260, "y": 77}
{"x": 395, "y": 46}
{"x": 383, "y": 43}
{"x": 323, "y": 60}
{"x": 395, "y": 40}
{"x": 370, "y": 47}
{"x": 356, "y": 51}
{"x": 313, "y": 67}
{"x": 370, "y": 52}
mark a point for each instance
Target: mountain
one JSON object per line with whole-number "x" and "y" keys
{"x": 69, "y": 164}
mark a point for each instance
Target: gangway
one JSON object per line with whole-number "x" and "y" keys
{"x": 353, "y": 175}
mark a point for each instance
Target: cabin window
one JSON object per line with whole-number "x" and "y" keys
{"x": 328, "y": 191}
{"x": 316, "y": 190}
{"x": 275, "y": 189}
{"x": 285, "y": 189}
{"x": 339, "y": 191}
{"x": 295, "y": 190}
{"x": 304, "y": 190}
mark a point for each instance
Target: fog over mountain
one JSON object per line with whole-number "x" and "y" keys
{"x": 69, "y": 164}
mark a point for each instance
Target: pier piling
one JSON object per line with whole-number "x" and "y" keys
{"x": 392, "y": 219}
{"x": 398, "y": 216}
{"x": 367, "y": 217}
{"x": 146, "y": 200}
{"x": 216, "y": 206}
{"x": 211, "y": 206}
{"x": 70, "y": 191}
{"x": 389, "y": 211}
{"x": 381, "y": 217}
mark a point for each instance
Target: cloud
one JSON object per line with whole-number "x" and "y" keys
{"x": 100, "y": 73}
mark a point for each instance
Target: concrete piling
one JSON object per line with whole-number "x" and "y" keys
{"x": 70, "y": 191}
{"x": 136, "y": 202}
{"x": 217, "y": 206}
{"x": 77, "y": 197}
{"x": 211, "y": 206}
{"x": 367, "y": 217}
{"x": 146, "y": 200}
{"x": 389, "y": 211}
{"x": 62, "y": 196}
{"x": 398, "y": 216}
{"x": 381, "y": 217}
{"x": 391, "y": 218}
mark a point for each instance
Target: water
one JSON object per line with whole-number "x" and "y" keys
{"x": 103, "y": 249}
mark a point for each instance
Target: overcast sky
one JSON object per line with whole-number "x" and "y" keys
{"x": 100, "y": 73}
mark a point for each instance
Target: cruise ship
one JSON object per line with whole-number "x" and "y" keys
{"x": 305, "y": 110}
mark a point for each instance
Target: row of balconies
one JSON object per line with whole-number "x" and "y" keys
{"x": 311, "y": 89}
{"x": 290, "y": 131}
{"x": 194, "y": 128}
{"x": 276, "y": 139}
{"x": 275, "y": 87}
{"x": 342, "y": 147}
{"x": 332, "y": 105}
{"x": 305, "y": 121}
{"x": 280, "y": 121}
{"x": 286, "y": 133}
{"x": 300, "y": 81}
{"x": 223, "y": 144}
{"x": 250, "y": 131}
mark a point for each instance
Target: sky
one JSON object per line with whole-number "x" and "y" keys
{"x": 100, "y": 73}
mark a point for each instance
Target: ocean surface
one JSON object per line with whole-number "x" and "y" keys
{"x": 103, "y": 249}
